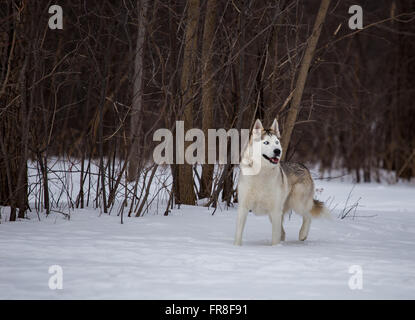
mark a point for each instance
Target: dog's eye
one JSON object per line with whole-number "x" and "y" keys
{"x": 277, "y": 142}
{"x": 266, "y": 142}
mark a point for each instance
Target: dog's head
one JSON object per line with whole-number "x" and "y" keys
{"x": 263, "y": 149}
{"x": 271, "y": 150}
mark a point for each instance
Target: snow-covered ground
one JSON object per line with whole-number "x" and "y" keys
{"x": 189, "y": 254}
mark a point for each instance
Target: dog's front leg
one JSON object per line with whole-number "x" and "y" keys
{"x": 240, "y": 224}
{"x": 276, "y": 220}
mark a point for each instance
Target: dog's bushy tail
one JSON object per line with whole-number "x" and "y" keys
{"x": 319, "y": 210}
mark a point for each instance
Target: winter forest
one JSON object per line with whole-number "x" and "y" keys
{"x": 84, "y": 87}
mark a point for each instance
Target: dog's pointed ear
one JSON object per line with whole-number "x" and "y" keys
{"x": 276, "y": 128}
{"x": 258, "y": 125}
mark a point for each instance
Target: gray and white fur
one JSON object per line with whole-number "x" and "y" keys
{"x": 276, "y": 189}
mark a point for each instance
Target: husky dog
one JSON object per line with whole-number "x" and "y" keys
{"x": 276, "y": 187}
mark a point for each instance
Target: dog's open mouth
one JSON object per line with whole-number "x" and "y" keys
{"x": 273, "y": 160}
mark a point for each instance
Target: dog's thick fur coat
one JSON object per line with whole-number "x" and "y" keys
{"x": 276, "y": 188}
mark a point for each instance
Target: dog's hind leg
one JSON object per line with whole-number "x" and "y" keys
{"x": 240, "y": 224}
{"x": 305, "y": 228}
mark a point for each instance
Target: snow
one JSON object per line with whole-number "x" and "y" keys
{"x": 189, "y": 254}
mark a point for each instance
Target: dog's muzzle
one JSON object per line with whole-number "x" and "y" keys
{"x": 273, "y": 160}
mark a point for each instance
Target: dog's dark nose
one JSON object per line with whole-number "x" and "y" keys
{"x": 277, "y": 152}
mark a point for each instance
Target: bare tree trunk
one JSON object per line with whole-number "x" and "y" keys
{"x": 271, "y": 96}
{"x": 15, "y": 117}
{"x": 187, "y": 193}
{"x": 302, "y": 76}
{"x": 208, "y": 91}
{"x": 241, "y": 69}
{"x": 101, "y": 144}
{"x": 136, "y": 121}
